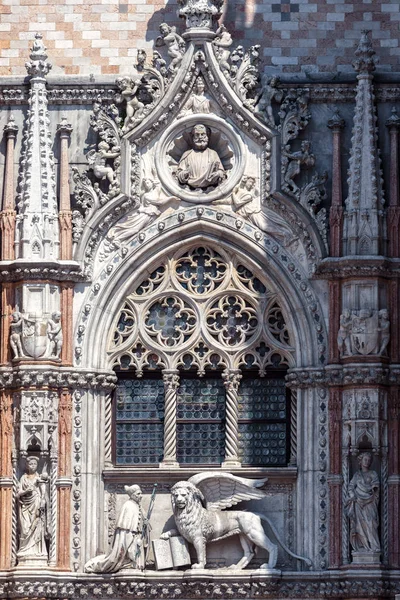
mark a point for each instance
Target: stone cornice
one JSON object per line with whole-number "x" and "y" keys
{"x": 28, "y": 376}
{"x": 357, "y": 266}
{"x": 22, "y": 270}
{"x": 344, "y": 375}
{"x": 249, "y": 584}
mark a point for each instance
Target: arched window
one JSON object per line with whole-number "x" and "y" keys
{"x": 201, "y": 348}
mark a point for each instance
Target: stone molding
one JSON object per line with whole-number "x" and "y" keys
{"x": 343, "y": 268}
{"x": 344, "y": 375}
{"x": 251, "y": 585}
{"x": 21, "y": 270}
{"x": 52, "y": 377}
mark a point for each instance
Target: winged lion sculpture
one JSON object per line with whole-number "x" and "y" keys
{"x": 198, "y": 506}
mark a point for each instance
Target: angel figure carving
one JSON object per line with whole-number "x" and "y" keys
{"x": 198, "y": 506}
{"x": 98, "y": 161}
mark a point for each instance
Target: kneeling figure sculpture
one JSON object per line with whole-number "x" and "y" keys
{"x": 198, "y": 506}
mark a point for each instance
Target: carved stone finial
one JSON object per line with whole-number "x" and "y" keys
{"x": 38, "y": 65}
{"x": 64, "y": 128}
{"x": 200, "y": 13}
{"x": 394, "y": 120}
{"x": 11, "y": 128}
{"x": 336, "y": 122}
{"x": 365, "y": 62}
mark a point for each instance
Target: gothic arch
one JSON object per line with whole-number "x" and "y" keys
{"x": 266, "y": 258}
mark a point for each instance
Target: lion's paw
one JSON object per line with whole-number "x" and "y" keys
{"x": 198, "y": 566}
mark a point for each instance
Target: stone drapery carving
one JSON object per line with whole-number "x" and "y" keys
{"x": 36, "y": 337}
{"x": 364, "y": 332}
{"x": 362, "y": 508}
{"x": 198, "y": 102}
{"x": 128, "y": 544}
{"x": 151, "y": 201}
{"x": 200, "y": 168}
{"x": 246, "y": 203}
{"x": 197, "y": 505}
{"x": 32, "y": 498}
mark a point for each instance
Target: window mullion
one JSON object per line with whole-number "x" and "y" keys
{"x": 232, "y": 379}
{"x": 171, "y": 384}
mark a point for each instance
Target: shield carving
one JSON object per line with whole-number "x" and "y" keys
{"x": 34, "y": 336}
{"x": 364, "y": 334}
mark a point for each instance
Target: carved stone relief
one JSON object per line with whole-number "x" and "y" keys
{"x": 364, "y": 331}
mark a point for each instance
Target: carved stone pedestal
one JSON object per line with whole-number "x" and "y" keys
{"x": 32, "y": 562}
{"x": 366, "y": 558}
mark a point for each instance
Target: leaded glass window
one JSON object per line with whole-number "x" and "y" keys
{"x": 139, "y": 416}
{"x": 200, "y": 421}
{"x": 263, "y": 421}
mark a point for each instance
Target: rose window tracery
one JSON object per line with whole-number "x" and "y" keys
{"x": 209, "y": 304}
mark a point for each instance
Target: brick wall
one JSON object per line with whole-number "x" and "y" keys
{"x": 102, "y": 36}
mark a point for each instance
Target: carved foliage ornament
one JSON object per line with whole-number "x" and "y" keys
{"x": 201, "y": 309}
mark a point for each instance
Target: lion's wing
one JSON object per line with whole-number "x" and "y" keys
{"x": 221, "y": 490}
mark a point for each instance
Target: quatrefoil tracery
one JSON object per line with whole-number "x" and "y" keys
{"x": 201, "y": 309}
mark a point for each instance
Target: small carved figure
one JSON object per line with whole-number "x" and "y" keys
{"x": 128, "y": 545}
{"x": 362, "y": 507}
{"x": 98, "y": 161}
{"x": 344, "y": 339}
{"x": 295, "y": 160}
{"x": 16, "y": 334}
{"x": 151, "y": 198}
{"x": 270, "y": 92}
{"x": 198, "y": 506}
{"x": 32, "y": 512}
{"x": 200, "y": 168}
{"x": 129, "y": 89}
{"x": 55, "y": 335}
{"x": 384, "y": 331}
{"x": 197, "y": 103}
{"x": 222, "y": 41}
{"x": 175, "y": 44}
{"x": 246, "y": 203}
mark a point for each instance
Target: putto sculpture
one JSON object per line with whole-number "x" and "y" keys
{"x": 198, "y": 506}
{"x": 200, "y": 168}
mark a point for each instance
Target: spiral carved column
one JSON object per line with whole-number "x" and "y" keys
{"x": 64, "y": 480}
{"x": 231, "y": 379}
{"x": 6, "y": 479}
{"x": 171, "y": 384}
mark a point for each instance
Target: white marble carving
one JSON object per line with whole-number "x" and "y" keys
{"x": 129, "y": 543}
{"x": 35, "y": 336}
{"x": 175, "y": 44}
{"x": 198, "y": 510}
{"x": 198, "y": 102}
{"x": 32, "y": 498}
{"x": 362, "y": 511}
{"x": 364, "y": 332}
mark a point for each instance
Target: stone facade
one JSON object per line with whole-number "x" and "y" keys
{"x": 199, "y": 282}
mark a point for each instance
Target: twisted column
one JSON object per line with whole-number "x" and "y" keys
{"x": 231, "y": 379}
{"x": 293, "y": 428}
{"x": 64, "y": 481}
{"x": 6, "y": 479}
{"x": 171, "y": 384}
{"x": 108, "y": 432}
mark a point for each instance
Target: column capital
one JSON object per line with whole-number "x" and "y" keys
{"x": 64, "y": 128}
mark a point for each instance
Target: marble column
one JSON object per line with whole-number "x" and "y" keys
{"x": 335, "y": 477}
{"x": 7, "y": 217}
{"x": 66, "y": 309}
{"x": 64, "y": 481}
{"x": 65, "y": 215}
{"x": 232, "y": 379}
{"x": 6, "y": 479}
{"x": 171, "y": 384}
{"x": 394, "y": 476}
{"x": 336, "y": 124}
{"x": 393, "y": 211}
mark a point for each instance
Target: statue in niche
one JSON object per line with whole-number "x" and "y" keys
{"x": 98, "y": 160}
{"x": 32, "y": 512}
{"x": 362, "y": 507}
{"x": 246, "y": 204}
{"x": 175, "y": 44}
{"x": 200, "y": 168}
{"x": 129, "y": 543}
{"x": 344, "y": 340}
{"x": 151, "y": 198}
{"x": 384, "y": 331}
{"x": 270, "y": 92}
{"x": 16, "y": 334}
{"x": 129, "y": 89}
{"x": 198, "y": 506}
{"x": 223, "y": 41}
{"x": 197, "y": 103}
{"x": 294, "y": 161}
{"x": 55, "y": 335}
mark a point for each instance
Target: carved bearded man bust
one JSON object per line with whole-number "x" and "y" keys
{"x": 200, "y": 168}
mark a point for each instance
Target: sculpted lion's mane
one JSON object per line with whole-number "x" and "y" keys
{"x": 193, "y": 518}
